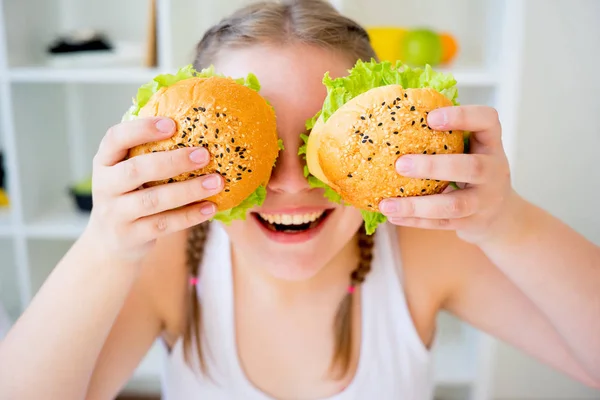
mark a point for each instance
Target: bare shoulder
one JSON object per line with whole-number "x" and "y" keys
{"x": 434, "y": 263}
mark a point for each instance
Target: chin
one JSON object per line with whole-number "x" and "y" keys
{"x": 294, "y": 244}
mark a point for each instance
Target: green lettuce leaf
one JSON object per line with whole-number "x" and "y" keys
{"x": 146, "y": 91}
{"x": 372, "y": 220}
{"x": 361, "y": 78}
{"x": 280, "y": 144}
{"x": 239, "y": 212}
{"x": 368, "y": 75}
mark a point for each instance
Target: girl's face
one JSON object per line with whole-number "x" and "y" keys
{"x": 296, "y": 232}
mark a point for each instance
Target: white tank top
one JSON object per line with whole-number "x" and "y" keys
{"x": 393, "y": 364}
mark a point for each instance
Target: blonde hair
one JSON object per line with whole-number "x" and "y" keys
{"x": 311, "y": 22}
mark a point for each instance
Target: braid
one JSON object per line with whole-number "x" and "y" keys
{"x": 343, "y": 319}
{"x": 194, "y": 253}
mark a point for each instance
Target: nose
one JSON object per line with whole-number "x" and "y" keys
{"x": 288, "y": 174}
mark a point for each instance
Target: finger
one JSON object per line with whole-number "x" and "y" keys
{"x": 136, "y": 171}
{"x": 155, "y": 226}
{"x": 483, "y": 121}
{"x": 423, "y": 223}
{"x": 457, "y": 204}
{"x": 121, "y": 137}
{"x": 469, "y": 168}
{"x": 169, "y": 196}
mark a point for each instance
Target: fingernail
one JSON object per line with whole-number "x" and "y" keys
{"x": 387, "y": 207}
{"x": 208, "y": 209}
{"x": 165, "y": 125}
{"x": 404, "y": 164}
{"x": 211, "y": 182}
{"x": 437, "y": 118}
{"x": 199, "y": 156}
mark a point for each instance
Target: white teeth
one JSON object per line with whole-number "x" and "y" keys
{"x": 291, "y": 219}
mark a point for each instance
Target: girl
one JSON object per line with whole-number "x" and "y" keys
{"x": 330, "y": 314}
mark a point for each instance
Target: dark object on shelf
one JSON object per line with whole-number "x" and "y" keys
{"x": 82, "y": 201}
{"x": 81, "y": 192}
{"x": 80, "y": 42}
{"x": 2, "y": 172}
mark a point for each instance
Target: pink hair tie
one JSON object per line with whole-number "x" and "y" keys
{"x": 193, "y": 280}
{"x": 351, "y": 289}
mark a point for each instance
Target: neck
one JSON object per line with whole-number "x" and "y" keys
{"x": 332, "y": 279}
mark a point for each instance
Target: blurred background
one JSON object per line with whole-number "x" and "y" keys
{"x": 69, "y": 69}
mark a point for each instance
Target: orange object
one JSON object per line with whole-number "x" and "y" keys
{"x": 449, "y": 47}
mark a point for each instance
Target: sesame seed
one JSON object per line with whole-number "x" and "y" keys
{"x": 450, "y": 132}
{"x": 217, "y": 114}
{"x": 226, "y": 190}
{"x": 422, "y": 190}
{"x": 393, "y": 112}
{"x": 356, "y": 131}
{"x": 405, "y": 96}
{"x": 412, "y": 108}
{"x": 188, "y": 118}
{"x": 423, "y": 125}
{"x": 395, "y": 132}
{"x": 190, "y": 129}
{"x": 217, "y": 130}
{"x": 349, "y": 175}
{"x": 371, "y": 141}
{"x": 379, "y": 124}
{"x": 196, "y": 109}
{"x": 362, "y": 117}
{"x": 227, "y": 150}
{"x": 183, "y": 135}
{"x": 445, "y": 147}
{"x": 425, "y": 152}
{"x": 232, "y": 140}
{"x": 393, "y": 119}
{"x": 421, "y": 119}
{"x": 388, "y": 143}
{"x": 249, "y": 171}
{"x": 202, "y": 109}
{"x": 401, "y": 190}
{"x": 398, "y": 107}
{"x": 397, "y": 152}
{"x": 205, "y": 127}
{"x": 413, "y": 123}
{"x": 383, "y": 104}
{"x": 369, "y": 159}
{"x": 370, "y": 115}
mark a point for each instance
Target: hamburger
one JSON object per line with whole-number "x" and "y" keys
{"x": 370, "y": 118}
{"x": 226, "y": 116}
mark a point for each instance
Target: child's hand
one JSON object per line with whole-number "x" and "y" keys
{"x": 475, "y": 210}
{"x": 125, "y": 221}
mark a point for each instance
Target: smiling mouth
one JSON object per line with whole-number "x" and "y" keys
{"x": 292, "y": 223}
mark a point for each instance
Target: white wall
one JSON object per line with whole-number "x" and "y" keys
{"x": 557, "y": 165}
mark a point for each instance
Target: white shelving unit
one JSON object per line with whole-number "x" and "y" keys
{"x": 52, "y": 118}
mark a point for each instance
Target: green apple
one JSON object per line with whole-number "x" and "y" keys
{"x": 422, "y": 46}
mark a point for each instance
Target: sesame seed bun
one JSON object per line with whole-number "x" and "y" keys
{"x": 355, "y": 150}
{"x": 233, "y": 122}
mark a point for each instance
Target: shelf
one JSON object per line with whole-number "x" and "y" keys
{"x": 82, "y": 75}
{"x": 6, "y": 228}
{"x": 59, "y": 223}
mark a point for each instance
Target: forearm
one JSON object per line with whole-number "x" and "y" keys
{"x": 51, "y": 350}
{"x": 559, "y": 270}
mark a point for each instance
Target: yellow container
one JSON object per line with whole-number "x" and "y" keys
{"x": 386, "y": 41}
